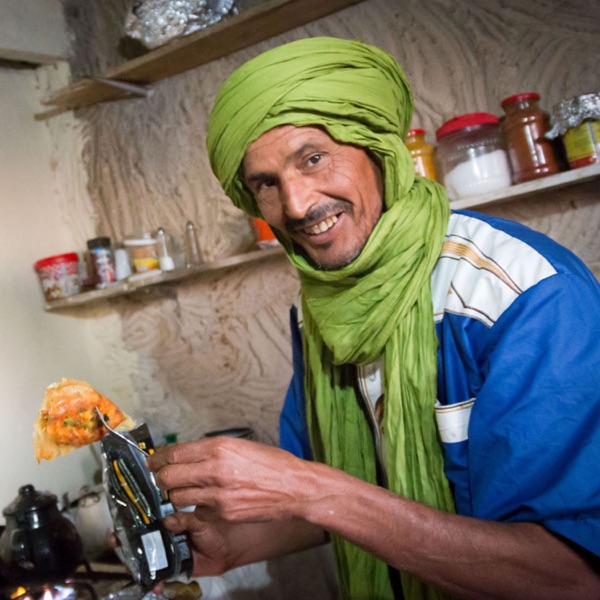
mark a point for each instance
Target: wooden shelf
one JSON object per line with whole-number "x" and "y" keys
{"x": 515, "y": 192}
{"x": 531, "y": 188}
{"x": 136, "y": 284}
{"x": 235, "y": 33}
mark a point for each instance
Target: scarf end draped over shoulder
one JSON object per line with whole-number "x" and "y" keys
{"x": 377, "y": 306}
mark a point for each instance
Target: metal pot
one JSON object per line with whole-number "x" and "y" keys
{"x": 94, "y": 522}
{"x": 39, "y": 545}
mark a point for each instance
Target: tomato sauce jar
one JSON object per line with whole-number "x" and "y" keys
{"x": 525, "y": 125}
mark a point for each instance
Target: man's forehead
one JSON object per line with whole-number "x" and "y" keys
{"x": 284, "y": 142}
{"x": 288, "y": 134}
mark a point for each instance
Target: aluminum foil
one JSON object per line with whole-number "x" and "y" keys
{"x": 155, "y": 22}
{"x": 572, "y": 112}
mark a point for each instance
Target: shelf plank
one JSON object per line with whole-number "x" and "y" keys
{"x": 515, "y": 192}
{"x": 177, "y": 275}
{"x": 201, "y": 47}
{"x": 530, "y": 188}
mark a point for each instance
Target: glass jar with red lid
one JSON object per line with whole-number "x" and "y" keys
{"x": 471, "y": 155}
{"x": 524, "y": 126}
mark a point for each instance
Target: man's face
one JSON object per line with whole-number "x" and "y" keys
{"x": 327, "y": 197}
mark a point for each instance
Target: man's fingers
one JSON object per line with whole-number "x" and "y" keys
{"x": 179, "y": 522}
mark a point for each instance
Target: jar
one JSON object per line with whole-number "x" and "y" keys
{"x": 577, "y": 120}
{"x": 264, "y": 234}
{"x": 421, "y": 153}
{"x": 525, "y": 125}
{"x": 142, "y": 253}
{"x": 102, "y": 261}
{"x": 471, "y": 155}
{"x": 59, "y": 275}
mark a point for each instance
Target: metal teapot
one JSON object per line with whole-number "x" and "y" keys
{"x": 39, "y": 545}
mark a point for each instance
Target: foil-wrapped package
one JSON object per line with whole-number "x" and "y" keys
{"x": 137, "y": 506}
{"x": 155, "y": 22}
{"x": 572, "y": 112}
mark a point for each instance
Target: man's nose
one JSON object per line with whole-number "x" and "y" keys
{"x": 297, "y": 197}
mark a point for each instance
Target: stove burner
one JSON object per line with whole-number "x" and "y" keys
{"x": 70, "y": 590}
{"x": 85, "y": 584}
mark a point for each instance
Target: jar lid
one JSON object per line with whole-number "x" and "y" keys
{"x": 28, "y": 499}
{"x": 572, "y": 112}
{"x": 463, "y": 121}
{"x": 415, "y": 132}
{"x": 99, "y": 242}
{"x": 519, "y": 97}
{"x": 53, "y": 260}
{"x": 139, "y": 242}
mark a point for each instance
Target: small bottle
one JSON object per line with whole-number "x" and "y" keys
{"x": 192, "y": 247}
{"x": 165, "y": 262}
{"x": 122, "y": 264}
{"x": 531, "y": 154}
{"x": 102, "y": 261}
{"x": 421, "y": 153}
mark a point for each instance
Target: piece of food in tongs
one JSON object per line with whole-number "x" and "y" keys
{"x": 68, "y": 418}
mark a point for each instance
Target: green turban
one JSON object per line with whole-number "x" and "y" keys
{"x": 377, "y": 307}
{"x": 357, "y": 92}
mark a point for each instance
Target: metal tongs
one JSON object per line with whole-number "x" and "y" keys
{"x": 118, "y": 433}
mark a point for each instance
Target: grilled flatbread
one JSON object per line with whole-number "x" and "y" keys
{"x": 68, "y": 418}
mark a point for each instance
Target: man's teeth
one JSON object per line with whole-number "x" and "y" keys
{"x": 323, "y": 226}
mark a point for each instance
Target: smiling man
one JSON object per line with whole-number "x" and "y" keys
{"x": 326, "y": 197}
{"x": 442, "y": 427}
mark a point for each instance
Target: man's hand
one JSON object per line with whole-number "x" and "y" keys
{"x": 246, "y": 497}
{"x": 209, "y": 542}
{"x": 234, "y": 480}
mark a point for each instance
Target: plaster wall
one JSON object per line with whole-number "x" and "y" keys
{"x": 215, "y": 352}
{"x": 32, "y": 31}
{"x": 41, "y": 178}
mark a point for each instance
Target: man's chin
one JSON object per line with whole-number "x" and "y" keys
{"x": 325, "y": 263}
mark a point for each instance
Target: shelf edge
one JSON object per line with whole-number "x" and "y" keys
{"x": 179, "y": 275}
{"x": 530, "y": 188}
{"x": 199, "y": 48}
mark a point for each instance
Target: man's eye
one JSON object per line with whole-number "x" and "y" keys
{"x": 313, "y": 159}
{"x": 266, "y": 183}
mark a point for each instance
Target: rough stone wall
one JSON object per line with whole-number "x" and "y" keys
{"x": 215, "y": 352}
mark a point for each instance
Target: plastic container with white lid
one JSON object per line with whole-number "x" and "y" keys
{"x": 142, "y": 252}
{"x": 59, "y": 275}
{"x": 471, "y": 155}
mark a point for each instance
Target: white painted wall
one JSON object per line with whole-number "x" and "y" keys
{"x": 32, "y": 30}
{"x": 37, "y": 348}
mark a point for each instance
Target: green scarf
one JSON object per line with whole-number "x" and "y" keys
{"x": 379, "y": 305}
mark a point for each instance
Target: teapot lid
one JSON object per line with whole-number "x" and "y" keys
{"x": 28, "y": 499}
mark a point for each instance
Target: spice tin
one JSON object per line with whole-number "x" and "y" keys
{"x": 577, "y": 119}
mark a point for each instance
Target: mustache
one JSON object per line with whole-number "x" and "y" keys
{"x": 316, "y": 214}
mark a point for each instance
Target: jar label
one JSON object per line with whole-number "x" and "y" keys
{"x": 582, "y": 141}
{"x": 143, "y": 265}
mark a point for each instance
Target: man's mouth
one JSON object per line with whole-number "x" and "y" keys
{"x": 322, "y": 226}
